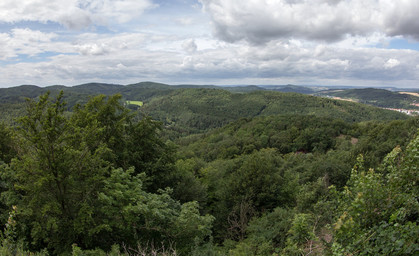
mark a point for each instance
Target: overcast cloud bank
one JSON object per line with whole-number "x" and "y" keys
{"x": 330, "y": 42}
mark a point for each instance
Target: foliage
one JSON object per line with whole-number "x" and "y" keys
{"x": 241, "y": 188}
{"x": 266, "y": 233}
{"x": 380, "y": 208}
{"x": 100, "y": 179}
{"x": 131, "y": 143}
{"x": 67, "y": 190}
{"x": 55, "y": 176}
{"x": 300, "y": 234}
{"x": 285, "y": 133}
{"x": 188, "y": 111}
{"x": 7, "y": 152}
{"x": 377, "y": 97}
{"x": 377, "y": 139}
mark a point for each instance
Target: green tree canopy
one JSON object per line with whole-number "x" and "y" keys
{"x": 66, "y": 188}
{"x": 380, "y": 208}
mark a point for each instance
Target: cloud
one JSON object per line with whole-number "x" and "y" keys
{"x": 189, "y": 46}
{"x": 117, "y": 10}
{"x": 401, "y": 18}
{"x": 318, "y": 20}
{"x": 130, "y": 57}
{"x": 297, "y": 62}
{"x": 34, "y": 36}
{"x": 92, "y": 49}
{"x": 391, "y": 63}
{"x": 93, "y": 44}
{"x": 25, "y": 41}
{"x": 126, "y": 58}
{"x": 73, "y": 14}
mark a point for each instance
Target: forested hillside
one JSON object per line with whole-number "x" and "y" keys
{"x": 377, "y": 97}
{"x": 204, "y": 171}
{"x": 184, "y": 104}
{"x": 197, "y": 110}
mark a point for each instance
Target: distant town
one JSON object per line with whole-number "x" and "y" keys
{"x": 409, "y": 112}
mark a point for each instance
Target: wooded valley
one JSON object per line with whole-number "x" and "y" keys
{"x": 204, "y": 171}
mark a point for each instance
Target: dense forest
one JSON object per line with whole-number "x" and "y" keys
{"x": 204, "y": 171}
{"x": 259, "y": 98}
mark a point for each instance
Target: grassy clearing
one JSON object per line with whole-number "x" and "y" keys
{"x": 135, "y": 102}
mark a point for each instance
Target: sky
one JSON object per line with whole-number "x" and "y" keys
{"x": 372, "y": 43}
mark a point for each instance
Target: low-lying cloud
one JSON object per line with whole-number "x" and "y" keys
{"x": 126, "y": 59}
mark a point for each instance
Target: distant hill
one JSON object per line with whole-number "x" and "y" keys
{"x": 94, "y": 88}
{"x": 249, "y": 88}
{"x": 292, "y": 88}
{"x": 18, "y": 93}
{"x": 376, "y": 97}
{"x": 12, "y": 100}
{"x": 194, "y": 108}
{"x": 197, "y": 110}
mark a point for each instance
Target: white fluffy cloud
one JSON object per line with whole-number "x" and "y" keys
{"x": 74, "y": 14}
{"x": 391, "y": 63}
{"x": 24, "y": 41}
{"x": 189, "y": 45}
{"x": 259, "y": 21}
{"x": 92, "y": 44}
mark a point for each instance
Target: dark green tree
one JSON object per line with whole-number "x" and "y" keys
{"x": 131, "y": 142}
{"x": 7, "y": 151}
{"x": 56, "y": 176}
{"x": 66, "y": 189}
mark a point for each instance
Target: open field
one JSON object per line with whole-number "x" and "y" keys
{"x": 410, "y": 93}
{"x": 345, "y": 99}
{"x": 135, "y": 102}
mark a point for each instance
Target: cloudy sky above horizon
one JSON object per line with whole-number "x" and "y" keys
{"x": 223, "y": 42}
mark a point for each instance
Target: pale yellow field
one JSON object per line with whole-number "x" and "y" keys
{"x": 410, "y": 93}
{"x": 345, "y": 99}
{"x": 135, "y": 102}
